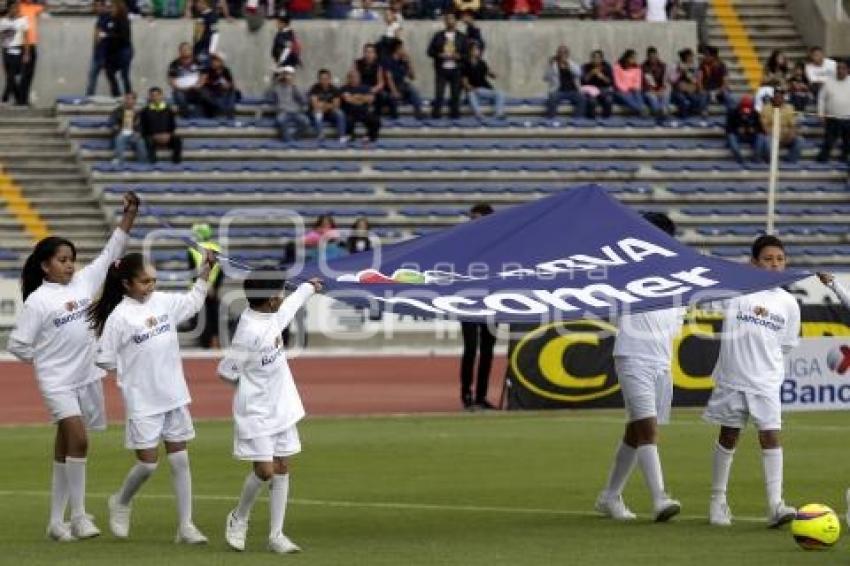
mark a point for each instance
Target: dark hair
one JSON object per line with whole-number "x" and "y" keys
{"x": 661, "y": 221}
{"x": 773, "y": 62}
{"x": 482, "y": 209}
{"x": 711, "y": 50}
{"x": 263, "y": 284}
{"x": 154, "y": 89}
{"x": 627, "y": 54}
{"x": 125, "y": 269}
{"x": 815, "y": 48}
{"x": 651, "y": 51}
{"x": 766, "y": 241}
{"x": 283, "y": 16}
{"x": 323, "y": 72}
{"x": 321, "y": 218}
{"x": 32, "y": 275}
{"x": 685, "y": 54}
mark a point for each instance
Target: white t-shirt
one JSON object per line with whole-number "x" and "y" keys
{"x": 758, "y": 329}
{"x": 649, "y": 335}
{"x": 819, "y": 73}
{"x": 13, "y": 32}
{"x": 656, "y": 10}
{"x": 266, "y": 400}
{"x": 52, "y": 331}
{"x": 140, "y": 341}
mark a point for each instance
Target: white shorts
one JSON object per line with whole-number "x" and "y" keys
{"x": 733, "y": 408}
{"x": 647, "y": 389}
{"x": 267, "y": 448}
{"x": 85, "y": 401}
{"x": 147, "y": 432}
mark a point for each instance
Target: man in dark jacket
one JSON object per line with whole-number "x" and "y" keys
{"x": 126, "y": 124}
{"x": 158, "y": 124}
{"x": 448, "y": 48}
{"x": 743, "y": 126}
{"x": 286, "y": 50}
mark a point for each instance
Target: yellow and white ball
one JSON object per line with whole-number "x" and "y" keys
{"x": 816, "y": 527}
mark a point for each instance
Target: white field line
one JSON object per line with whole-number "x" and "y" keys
{"x": 392, "y": 506}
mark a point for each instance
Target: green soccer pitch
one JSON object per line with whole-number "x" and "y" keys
{"x": 495, "y": 489}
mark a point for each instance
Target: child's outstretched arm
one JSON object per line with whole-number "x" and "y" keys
{"x": 95, "y": 272}
{"x": 830, "y": 281}
{"x": 296, "y": 300}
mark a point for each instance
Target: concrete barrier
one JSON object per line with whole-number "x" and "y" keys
{"x": 516, "y": 51}
{"x": 818, "y": 23}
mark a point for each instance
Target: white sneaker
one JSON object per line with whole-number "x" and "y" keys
{"x": 235, "y": 531}
{"x": 666, "y": 509}
{"x": 282, "y": 545}
{"x": 613, "y": 507}
{"x": 83, "y": 527}
{"x": 847, "y": 497}
{"x": 190, "y": 534}
{"x": 719, "y": 513}
{"x": 780, "y": 515}
{"x": 119, "y": 517}
{"x": 60, "y": 532}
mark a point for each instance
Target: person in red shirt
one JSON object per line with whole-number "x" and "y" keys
{"x": 522, "y": 9}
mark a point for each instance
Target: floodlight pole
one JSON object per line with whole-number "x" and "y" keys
{"x": 774, "y": 170}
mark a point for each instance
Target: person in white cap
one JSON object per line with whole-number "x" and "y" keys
{"x": 290, "y": 104}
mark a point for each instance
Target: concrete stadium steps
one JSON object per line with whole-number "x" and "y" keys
{"x": 41, "y": 160}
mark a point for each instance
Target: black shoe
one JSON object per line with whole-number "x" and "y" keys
{"x": 484, "y": 406}
{"x": 466, "y": 400}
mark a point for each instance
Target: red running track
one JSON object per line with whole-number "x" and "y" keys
{"x": 328, "y": 386}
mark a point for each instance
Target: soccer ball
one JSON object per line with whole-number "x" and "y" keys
{"x": 816, "y": 527}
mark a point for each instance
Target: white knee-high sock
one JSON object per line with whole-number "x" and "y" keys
{"x": 181, "y": 479}
{"x": 58, "y": 493}
{"x": 137, "y": 476}
{"x": 250, "y": 489}
{"x": 720, "y": 470}
{"x": 75, "y": 471}
{"x": 772, "y": 462}
{"x": 625, "y": 459}
{"x": 650, "y": 466}
{"x": 278, "y": 495}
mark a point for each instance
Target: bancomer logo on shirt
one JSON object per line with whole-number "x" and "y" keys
{"x": 76, "y": 310}
{"x": 270, "y": 354}
{"x": 158, "y": 325}
{"x": 761, "y": 316}
{"x": 532, "y": 302}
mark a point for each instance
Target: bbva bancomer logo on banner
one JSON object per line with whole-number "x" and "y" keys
{"x": 817, "y": 375}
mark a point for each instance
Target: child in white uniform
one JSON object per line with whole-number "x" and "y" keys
{"x": 642, "y": 353}
{"x": 137, "y": 326}
{"x": 266, "y": 406}
{"x": 51, "y": 332}
{"x": 758, "y": 330}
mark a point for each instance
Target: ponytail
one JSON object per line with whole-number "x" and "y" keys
{"x": 32, "y": 275}
{"x": 124, "y": 269}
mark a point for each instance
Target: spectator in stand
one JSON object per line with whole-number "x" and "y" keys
{"x": 357, "y": 100}
{"x": 205, "y": 32}
{"x": 636, "y": 9}
{"x": 743, "y": 125}
{"x": 219, "y": 92}
{"x": 372, "y": 75}
{"x": 325, "y": 105}
{"x": 98, "y": 57}
{"x": 628, "y": 83}
{"x": 398, "y": 76}
{"x": 686, "y": 94}
{"x": 286, "y": 49}
{"x": 834, "y": 110}
{"x": 32, "y": 12}
{"x": 597, "y": 79}
{"x": 365, "y": 13}
{"x": 610, "y": 9}
{"x": 476, "y": 83}
{"x": 656, "y": 86}
{"x": 563, "y": 79}
{"x": 126, "y": 124}
{"x": 448, "y": 48}
{"x": 798, "y": 87}
{"x": 522, "y": 9}
{"x": 473, "y": 7}
{"x": 764, "y": 94}
{"x": 776, "y": 68}
{"x": 13, "y": 29}
{"x": 819, "y": 69}
{"x": 656, "y": 10}
{"x": 186, "y": 79}
{"x": 301, "y": 9}
{"x": 337, "y": 9}
{"x": 159, "y": 127}
{"x": 788, "y": 131}
{"x": 358, "y": 239}
{"x": 119, "y": 48}
{"x": 697, "y": 10}
{"x": 323, "y": 231}
{"x": 434, "y": 9}
{"x": 472, "y": 31}
{"x": 713, "y": 79}
{"x": 289, "y": 104}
